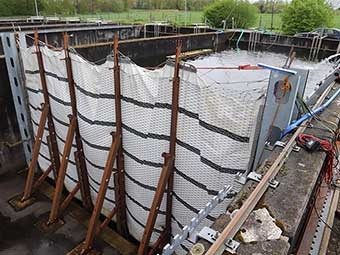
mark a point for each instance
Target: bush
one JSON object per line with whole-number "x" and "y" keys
{"x": 242, "y": 11}
{"x": 306, "y": 15}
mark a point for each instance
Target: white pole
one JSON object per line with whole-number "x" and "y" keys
{"x": 36, "y": 8}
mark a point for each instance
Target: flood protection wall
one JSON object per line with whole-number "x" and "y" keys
{"x": 215, "y": 132}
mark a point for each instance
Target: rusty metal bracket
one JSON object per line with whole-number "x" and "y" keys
{"x": 54, "y": 151}
{"x": 83, "y": 178}
{"x": 166, "y": 177}
{"x": 119, "y": 177}
{"x": 115, "y": 153}
{"x": 94, "y": 228}
{"x": 211, "y": 235}
{"x": 46, "y": 115}
{"x": 20, "y": 202}
{"x": 57, "y": 206}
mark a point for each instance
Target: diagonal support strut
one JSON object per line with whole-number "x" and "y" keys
{"x": 167, "y": 174}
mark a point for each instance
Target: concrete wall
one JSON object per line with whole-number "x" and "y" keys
{"x": 282, "y": 44}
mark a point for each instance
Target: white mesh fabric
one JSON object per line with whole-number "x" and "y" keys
{"x": 214, "y": 135}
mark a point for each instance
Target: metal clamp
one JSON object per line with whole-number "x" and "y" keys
{"x": 211, "y": 235}
{"x": 190, "y": 229}
{"x": 255, "y": 177}
{"x": 282, "y": 145}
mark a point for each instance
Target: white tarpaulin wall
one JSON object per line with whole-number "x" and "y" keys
{"x": 214, "y": 138}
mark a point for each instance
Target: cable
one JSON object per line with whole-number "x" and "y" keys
{"x": 312, "y": 143}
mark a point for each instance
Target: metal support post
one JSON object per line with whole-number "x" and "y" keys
{"x": 167, "y": 174}
{"x": 119, "y": 177}
{"x": 54, "y": 221}
{"x": 79, "y": 154}
{"x": 16, "y": 78}
{"x": 52, "y": 135}
{"x": 62, "y": 173}
{"x": 101, "y": 193}
{"x": 20, "y": 202}
{"x": 35, "y": 155}
{"x": 94, "y": 227}
{"x": 116, "y": 153}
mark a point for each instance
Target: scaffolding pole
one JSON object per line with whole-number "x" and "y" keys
{"x": 167, "y": 174}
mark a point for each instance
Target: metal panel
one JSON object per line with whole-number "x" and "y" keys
{"x": 278, "y": 113}
{"x": 15, "y": 75}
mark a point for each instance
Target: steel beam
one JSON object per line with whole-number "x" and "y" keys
{"x": 21, "y": 201}
{"x": 167, "y": 174}
{"x": 55, "y": 210}
{"x": 93, "y": 225}
{"x": 173, "y": 138}
{"x": 35, "y": 155}
{"x": 16, "y": 79}
{"x": 119, "y": 176}
{"x": 52, "y": 135}
{"x": 79, "y": 155}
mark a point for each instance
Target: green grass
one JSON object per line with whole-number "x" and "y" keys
{"x": 178, "y": 17}
{"x": 145, "y": 16}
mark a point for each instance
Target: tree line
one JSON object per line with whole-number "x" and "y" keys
{"x": 74, "y": 7}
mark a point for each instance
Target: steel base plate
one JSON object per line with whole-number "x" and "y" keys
{"x": 42, "y": 226}
{"x": 79, "y": 248}
{"x": 19, "y": 205}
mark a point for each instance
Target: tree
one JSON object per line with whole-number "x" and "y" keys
{"x": 267, "y": 6}
{"x": 242, "y": 11}
{"x": 306, "y": 15}
{"x": 18, "y": 7}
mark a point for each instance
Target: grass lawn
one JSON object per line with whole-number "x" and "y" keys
{"x": 178, "y": 17}
{"x": 144, "y": 16}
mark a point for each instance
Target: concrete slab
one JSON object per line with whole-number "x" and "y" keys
{"x": 18, "y": 235}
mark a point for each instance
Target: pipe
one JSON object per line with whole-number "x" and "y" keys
{"x": 309, "y": 115}
{"x": 277, "y": 69}
{"x": 239, "y": 39}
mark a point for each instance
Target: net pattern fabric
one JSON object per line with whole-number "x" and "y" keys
{"x": 214, "y": 136}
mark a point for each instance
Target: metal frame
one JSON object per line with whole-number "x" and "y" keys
{"x": 20, "y": 202}
{"x": 56, "y": 202}
{"x": 58, "y": 206}
{"x": 167, "y": 174}
{"x": 188, "y": 230}
{"x": 15, "y": 75}
{"x": 79, "y": 154}
{"x": 54, "y": 151}
{"x": 119, "y": 177}
{"x": 115, "y": 153}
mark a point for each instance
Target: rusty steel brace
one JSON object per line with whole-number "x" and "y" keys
{"x": 119, "y": 177}
{"x": 83, "y": 178}
{"x": 115, "y": 153}
{"x": 167, "y": 174}
{"x": 54, "y": 151}
{"x": 93, "y": 229}
{"x": 20, "y": 202}
{"x": 56, "y": 202}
